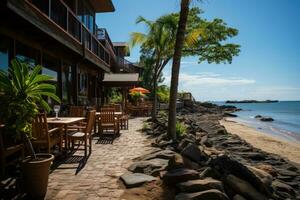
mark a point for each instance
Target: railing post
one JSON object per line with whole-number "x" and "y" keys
{"x": 50, "y": 9}
{"x": 67, "y": 19}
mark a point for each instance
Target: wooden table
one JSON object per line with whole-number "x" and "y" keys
{"x": 64, "y": 122}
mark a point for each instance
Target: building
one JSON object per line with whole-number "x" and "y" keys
{"x": 63, "y": 37}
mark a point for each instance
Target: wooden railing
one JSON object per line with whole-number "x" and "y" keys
{"x": 103, "y": 36}
{"x": 59, "y": 13}
{"x": 125, "y": 65}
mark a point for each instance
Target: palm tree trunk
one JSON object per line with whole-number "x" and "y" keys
{"x": 154, "y": 107}
{"x": 184, "y": 11}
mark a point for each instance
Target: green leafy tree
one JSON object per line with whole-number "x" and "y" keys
{"x": 204, "y": 39}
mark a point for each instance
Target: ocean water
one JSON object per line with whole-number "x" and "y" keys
{"x": 286, "y": 115}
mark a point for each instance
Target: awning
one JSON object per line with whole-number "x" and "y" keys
{"x": 121, "y": 80}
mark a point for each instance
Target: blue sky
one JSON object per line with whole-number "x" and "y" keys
{"x": 269, "y": 34}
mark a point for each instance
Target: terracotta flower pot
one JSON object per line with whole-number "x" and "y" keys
{"x": 35, "y": 175}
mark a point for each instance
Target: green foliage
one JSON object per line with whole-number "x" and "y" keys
{"x": 115, "y": 97}
{"x": 22, "y": 95}
{"x": 136, "y": 96}
{"x": 180, "y": 129}
{"x": 163, "y": 94}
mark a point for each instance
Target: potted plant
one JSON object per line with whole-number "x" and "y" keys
{"x": 22, "y": 95}
{"x": 136, "y": 97}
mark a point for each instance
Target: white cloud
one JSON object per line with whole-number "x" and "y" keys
{"x": 209, "y": 79}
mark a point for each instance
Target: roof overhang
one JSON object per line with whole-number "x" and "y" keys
{"x": 103, "y": 5}
{"x": 120, "y": 80}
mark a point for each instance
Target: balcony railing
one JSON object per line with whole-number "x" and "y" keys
{"x": 102, "y": 35}
{"x": 59, "y": 13}
{"x": 125, "y": 65}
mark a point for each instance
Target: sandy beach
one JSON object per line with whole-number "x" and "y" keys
{"x": 288, "y": 149}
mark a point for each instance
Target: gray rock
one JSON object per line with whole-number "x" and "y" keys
{"x": 175, "y": 176}
{"x": 193, "y": 152}
{"x": 163, "y": 154}
{"x": 244, "y": 188}
{"x": 238, "y": 197}
{"x": 149, "y": 167}
{"x": 200, "y": 185}
{"x": 265, "y": 178}
{"x": 227, "y": 165}
{"x": 266, "y": 119}
{"x": 282, "y": 187}
{"x": 205, "y": 195}
{"x": 136, "y": 179}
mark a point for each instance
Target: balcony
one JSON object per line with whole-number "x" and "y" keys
{"x": 125, "y": 65}
{"x": 103, "y": 37}
{"x": 60, "y": 14}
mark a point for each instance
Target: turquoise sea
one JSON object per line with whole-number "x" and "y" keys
{"x": 286, "y": 115}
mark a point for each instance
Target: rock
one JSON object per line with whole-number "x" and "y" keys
{"x": 282, "y": 187}
{"x": 227, "y": 165}
{"x": 227, "y": 114}
{"x": 183, "y": 143}
{"x": 244, "y": 188}
{"x": 176, "y": 162}
{"x": 175, "y": 176}
{"x": 149, "y": 167}
{"x": 210, "y": 172}
{"x": 258, "y": 116}
{"x": 136, "y": 179}
{"x": 163, "y": 154}
{"x": 266, "y": 119}
{"x": 205, "y": 195}
{"x": 265, "y": 178}
{"x": 200, "y": 185}
{"x": 238, "y": 197}
{"x": 192, "y": 152}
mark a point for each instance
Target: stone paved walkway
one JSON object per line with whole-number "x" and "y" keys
{"x": 98, "y": 179}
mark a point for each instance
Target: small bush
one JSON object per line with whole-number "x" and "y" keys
{"x": 180, "y": 129}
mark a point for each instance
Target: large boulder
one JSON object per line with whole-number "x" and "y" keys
{"x": 136, "y": 179}
{"x": 282, "y": 187}
{"x": 200, "y": 185}
{"x": 266, "y": 119}
{"x": 244, "y": 188}
{"x": 175, "y": 176}
{"x": 193, "y": 152}
{"x": 227, "y": 165}
{"x": 212, "y": 194}
{"x": 150, "y": 167}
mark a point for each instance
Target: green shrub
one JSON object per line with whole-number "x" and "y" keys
{"x": 163, "y": 94}
{"x": 180, "y": 129}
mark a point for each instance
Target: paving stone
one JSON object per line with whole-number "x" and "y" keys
{"x": 98, "y": 179}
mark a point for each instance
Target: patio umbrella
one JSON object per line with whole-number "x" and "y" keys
{"x": 140, "y": 89}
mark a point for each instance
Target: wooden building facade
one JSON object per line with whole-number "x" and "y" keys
{"x": 63, "y": 37}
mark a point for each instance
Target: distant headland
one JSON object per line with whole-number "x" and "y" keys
{"x": 253, "y": 101}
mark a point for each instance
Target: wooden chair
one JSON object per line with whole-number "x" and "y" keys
{"x": 43, "y": 137}
{"x": 76, "y": 111}
{"x": 85, "y": 133}
{"x": 9, "y": 155}
{"x": 108, "y": 121}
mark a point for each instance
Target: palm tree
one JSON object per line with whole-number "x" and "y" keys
{"x": 184, "y": 12}
{"x": 160, "y": 40}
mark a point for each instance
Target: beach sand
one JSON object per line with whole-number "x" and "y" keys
{"x": 271, "y": 144}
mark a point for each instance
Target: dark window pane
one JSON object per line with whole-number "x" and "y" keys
{"x": 26, "y": 54}
{"x": 43, "y": 5}
{"x": 4, "y": 52}
{"x": 67, "y": 84}
{"x": 59, "y": 13}
{"x": 50, "y": 66}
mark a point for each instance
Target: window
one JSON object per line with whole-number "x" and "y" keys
{"x": 86, "y": 15}
{"x": 26, "y": 54}
{"x": 50, "y": 66}
{"x": 42, "y": 5}
{"x": 67, "y": 85}
{"x": 5, "y": 44}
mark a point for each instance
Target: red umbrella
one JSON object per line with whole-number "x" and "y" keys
{"x": 140, "y": 89}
